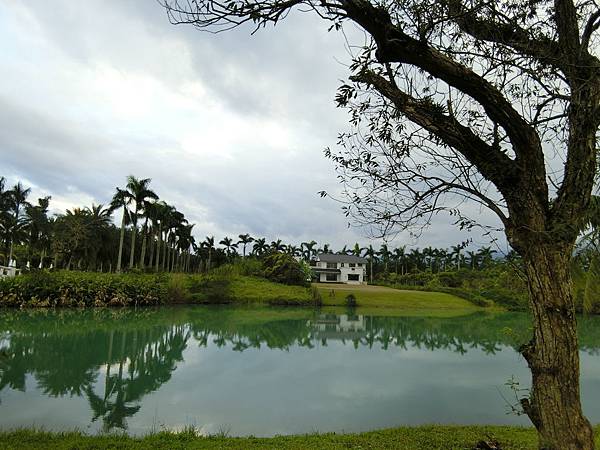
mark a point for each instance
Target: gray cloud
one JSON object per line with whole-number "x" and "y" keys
{"x": 230, "y": 127}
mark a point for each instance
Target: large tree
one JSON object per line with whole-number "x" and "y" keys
{"x": 494, "y": 101}
{"x": 121, "y": 199}
{"x": 140, "y": 194}
{"x": 17, "y": 199}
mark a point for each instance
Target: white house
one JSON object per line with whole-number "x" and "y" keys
{"x": 330, "y": 268}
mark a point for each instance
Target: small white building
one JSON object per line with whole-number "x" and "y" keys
{"x": 331, "y": 268}
{"x": 9, "y": 271}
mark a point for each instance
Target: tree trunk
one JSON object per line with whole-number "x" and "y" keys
{"x": 158, "y": 248}
{"x": 121, "y": 240}
{"x": 133, "y": 233}
{"x": 151, "y": 244}
{"x": 554, "y": 406}
{"x": 166, "y": 246}
{"x": 143, "y": 253}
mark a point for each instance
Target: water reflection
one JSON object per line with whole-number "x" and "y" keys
{"x": 115, "y": 358}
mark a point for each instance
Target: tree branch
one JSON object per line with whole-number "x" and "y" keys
{"x": 494, "y": 165}
{"x": 393, "y": 45}
{"x": 542, "y": 49}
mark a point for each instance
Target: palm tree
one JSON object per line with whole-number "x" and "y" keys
{"x": 245, "y": 239}
{"x": 140, "y": 193}
{"x": 325, "y": 249}
{"x": 371, "y": 253}
{"x": 185, "y": 240}
{"x": 278, "y": 246}
{"x": 487, "y": 255}
{"x": 209, "y": 245}
{"x": 456, "y": 249}
{"x": 148, "y": 211}
{"x": 357, "y": 250}
{"x": 385, "y": 253}
{"x": 293, "y": 250}
{"x": 308, "y": 249}
{"x": 39, "y": 228}
{"x": 399, "y": 257}
{"x": 159, "y": 213}
{"x": 230, "y": 246}
{"x": 416, "y": 259}
{"x": 260, "y": 246}
{"x": 174, "y": 219}
{"x": 99, "y": 219}
{"x": 17, "y": 201}
{"x": 473, "y": 259}
{"x": 121, "y": 199}
{"x": 4, "y": 214}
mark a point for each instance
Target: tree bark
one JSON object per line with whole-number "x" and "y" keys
{"x": 151, "y": 245}
{"x": 158, "y": 248}
{"x": 554, "y": 405}
{"x": 121, "y": 239}
{"x": 133, "y": 233}
{"x": 143, "y": 253}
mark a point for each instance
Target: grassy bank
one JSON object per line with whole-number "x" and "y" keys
{"x": 501, "y": 285}
{"x": 90, "y": 289}
{"x": 406, "y": 438}
{"x": 367, "y": 296}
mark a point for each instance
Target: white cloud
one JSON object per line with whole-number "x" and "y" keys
{"x": 230, "y": 128}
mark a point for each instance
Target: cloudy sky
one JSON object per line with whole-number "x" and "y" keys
{"x": 231, "y": 127}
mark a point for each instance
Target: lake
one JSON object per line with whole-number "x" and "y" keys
{"x": 266, "y": 371}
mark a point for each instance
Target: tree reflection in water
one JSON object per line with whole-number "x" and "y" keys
{"x": 114, "y": 358}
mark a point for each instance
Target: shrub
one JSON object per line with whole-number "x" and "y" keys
{"x": 65, "y": 288}
{"x": 350, "y": 300}
{"x": 283, "y": 268}
{"x": 177, "y": 291}
{"x": 250, "y": 267}
{"x": 315, "y": 296}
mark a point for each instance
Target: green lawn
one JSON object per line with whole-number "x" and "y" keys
{"x": 384, "y": 297}
{"x": 429, "y": 437}
{"x": 245, "y": 289}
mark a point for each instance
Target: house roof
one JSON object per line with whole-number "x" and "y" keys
{"x": 331, "y": 257}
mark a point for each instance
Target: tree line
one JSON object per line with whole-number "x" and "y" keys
{"x": 154, "y": 236}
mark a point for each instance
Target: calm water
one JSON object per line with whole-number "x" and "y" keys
{"x": 264, "y": 372}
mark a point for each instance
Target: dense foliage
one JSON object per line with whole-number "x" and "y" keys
{"x": 283, "y": 268}
{"x": 79, "y": 289}
{"x": 65, "y": 288}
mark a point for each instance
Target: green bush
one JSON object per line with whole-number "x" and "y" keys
{"x": 177, "y": 290}
{"x": 350, "y": 301}
{"x": 63, "y": 288}
{"x": 315, "y": 296}
{"x": 283, "y": 268}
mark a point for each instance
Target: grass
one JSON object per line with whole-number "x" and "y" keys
{"x": 430, "y": 437}
{"x": 258, "y": 290}
{"x": 85, "y": 289}
{"x": 383, "y": 297}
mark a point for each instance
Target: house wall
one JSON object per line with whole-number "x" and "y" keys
{"x": 323, "y": 278}
{"x": 360, "y": 271}
{"x": 345, "y": 271}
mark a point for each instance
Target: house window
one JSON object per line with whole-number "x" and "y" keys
{"x": 352, "y": 265}
{"x": 353, "y": 277}
{"x": 331, "y": 265}
{"x": 331, "y": 277}
{"x": 342, "y": 264}
{"x": 359, "y": 264}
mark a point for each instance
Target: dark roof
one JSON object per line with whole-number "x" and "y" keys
{"x": 330, "y": 257}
